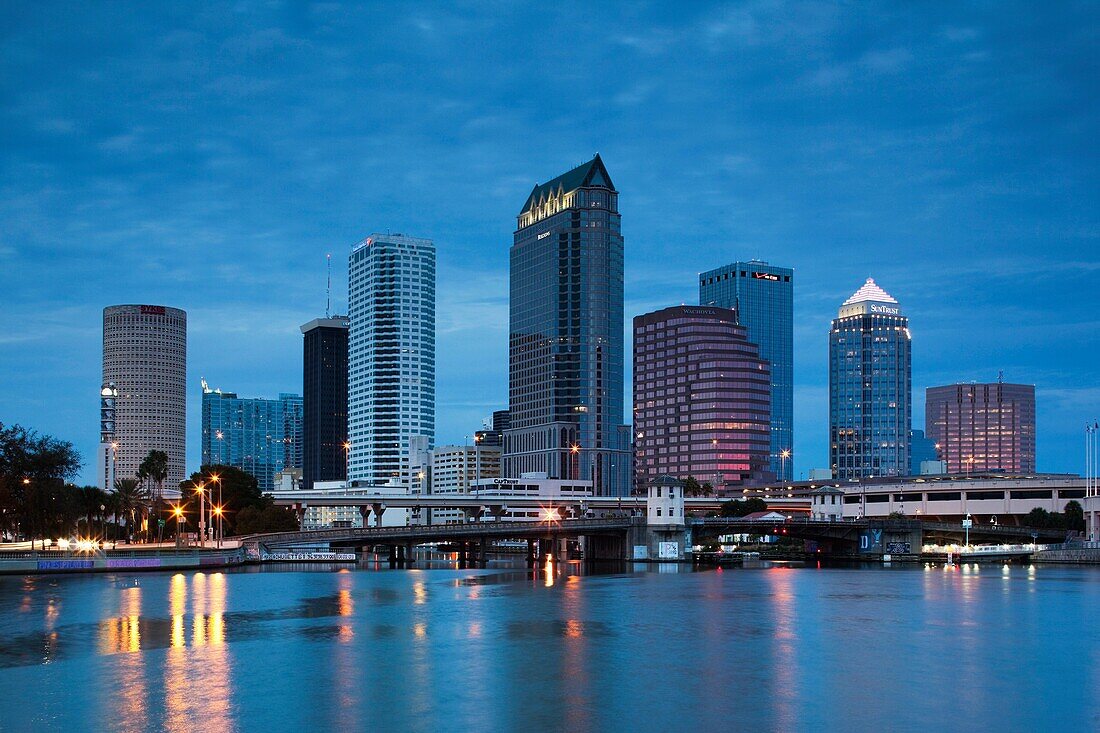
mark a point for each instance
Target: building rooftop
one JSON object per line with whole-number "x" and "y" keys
{"x": 592, "y": 173}
{"x": 870, "y": 292}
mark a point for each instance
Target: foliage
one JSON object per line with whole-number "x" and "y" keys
{"x": 132, "y": 503}
{"x": 1073, "y": 518}
{"x": 252, "y": 520}
{"x": 741, "y": 508}
{"x": 239, "y": 490}
{"x": 34, "y": 499}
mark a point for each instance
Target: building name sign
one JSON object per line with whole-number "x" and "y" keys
{"x": 765, "y": 276}
{"x": 505, "y": 481}
{"x": 544, "y": 235}
{"x": 885, "y": 310}
{"x": 152, "y": 310}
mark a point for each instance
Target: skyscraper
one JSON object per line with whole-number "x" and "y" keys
{"x": 701, "y": 396}
{"x": 565, "y": 355}
{"x": 983, "y": 427}
{"x": 256, "y": 435}
{"x": 870, "y": 386}
{"x": 763, "y": 296}
{"x": 391, "y": 352}
{"x": 324, "y": 400}
{"x": 145, "y": 362}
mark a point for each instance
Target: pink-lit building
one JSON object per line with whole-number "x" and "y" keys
{"x": 702, "y": 404}
{"x": 983, "y": 427}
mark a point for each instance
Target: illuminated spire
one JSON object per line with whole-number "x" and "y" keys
{"x": 870, "y": 292}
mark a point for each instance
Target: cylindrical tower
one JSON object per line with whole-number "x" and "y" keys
{"x": 145, "y": 357}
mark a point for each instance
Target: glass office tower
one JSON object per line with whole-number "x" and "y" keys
{"x": 325, "y": 400}
{"x": 391, "y": 353}
{"x": 701, "y": 398}
{"x": 763, "y": 296}
{"x": 870, "y": 386}
{"x": 983, "y": 427}
{"x": 256, "y": 435}
{"x": 565, "y": 365}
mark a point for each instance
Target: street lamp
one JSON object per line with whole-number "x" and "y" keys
{"x": 575, "y": 450}
{"x": 966, "y": 526}
{"x": 783, "y": 456}
{"x": 177, "y": 511}
{"x": 214, "y": 477}
{"x": 201, "y": 489}
{"x": 347, "y": 457}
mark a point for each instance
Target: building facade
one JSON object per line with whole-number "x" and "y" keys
{"x": 701, "y": 398}
{"x": 870, "y": 386}
{"x": 145, "y": 362}
{"x": 260, "y": 436}
{"x": 324, "y": 400}
{"x": 391, "y": 352}
{"x": 922, "y": 450}
{"x": 763, "y": 296}
{"x": 983, "y": 427}
{"x": 565, "y": 356}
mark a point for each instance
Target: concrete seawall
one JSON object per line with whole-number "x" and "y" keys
{"x": 47, "y": 561}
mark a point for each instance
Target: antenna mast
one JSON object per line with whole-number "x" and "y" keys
{"x": 328, "y": 285}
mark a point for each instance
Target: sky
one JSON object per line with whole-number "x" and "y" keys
{"x": 209, "y": 155}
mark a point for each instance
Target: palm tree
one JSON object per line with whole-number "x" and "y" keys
{"x": 155, "y": 467}
{"x": 133, "y": 500}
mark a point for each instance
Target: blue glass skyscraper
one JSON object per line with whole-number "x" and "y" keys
{"x": 565, "y": 355}
{"x": 870, "y": 386}
{"x": 763, "y": 296}
{"x": 259, "y": 436}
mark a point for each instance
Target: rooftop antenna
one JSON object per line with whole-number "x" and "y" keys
{"x": 328, "y": 285}
{"x": 1000, "y": 376}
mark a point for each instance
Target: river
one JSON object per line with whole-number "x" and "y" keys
{"x": 633, "y": 648}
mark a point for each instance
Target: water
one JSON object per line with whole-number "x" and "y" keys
{"x": 771, "y": 649}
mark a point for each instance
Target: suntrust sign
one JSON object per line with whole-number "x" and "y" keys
{"x": 885, "y": 310}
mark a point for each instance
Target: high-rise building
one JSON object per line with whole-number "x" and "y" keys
{"x": 325, "y": 400}
{"x": 145, "y": 363}
{"x": 494, "y": 436}
{"x": 763, "y": 296}
{"x": 565, "y": 355}
{"x": 391, "y": 352}
{"x": 922, "y": 450}
{"x": 870, "y": 386}
{"x": 260, "y": 436}
{"x": 983, "y": 427}
{"x": 701, "y": 398}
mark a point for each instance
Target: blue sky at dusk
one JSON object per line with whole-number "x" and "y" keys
{"x": 208, "y": 157}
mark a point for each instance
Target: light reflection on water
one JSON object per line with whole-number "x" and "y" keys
{"x": 552, "y": 647}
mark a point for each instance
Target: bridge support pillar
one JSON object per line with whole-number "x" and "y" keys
{"x": 379, "y": 510}
{"x": 364, "y": 512}
{"x": 393, "y": 555}
{"x": 410, "y": 555}
{"x": 400, "y": 554}
{"x": 530, "y": 553}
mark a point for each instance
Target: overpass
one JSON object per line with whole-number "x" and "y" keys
{"x": 474, "y": 506}
{"x": 625, "y": 537}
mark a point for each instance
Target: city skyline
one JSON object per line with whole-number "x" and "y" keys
{"x": 971, "y": 217}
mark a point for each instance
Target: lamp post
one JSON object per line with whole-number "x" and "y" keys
{"x": 347, "y": 458}
{"x": 966, "y": 526}
{"x": 574, "y": 451}
{"x": 783, "y": 456}
{"x": 201, "y": 489}
{"x": 218, "y": 510}
{"x": 177, "y": 511}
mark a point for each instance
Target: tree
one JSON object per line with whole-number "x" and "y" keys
{"x": 706, "y": 489}
{"x": 742, "y": 508}
{"x": 133, "y": 500}
{"x": 239, "y": 491}
{"x": 155, "y": 468}
{"x": 691, "y": 486}
{"x": 252, "y": 520}
{"x": 33, "y": 471}
{"x": 1075, "y": 516}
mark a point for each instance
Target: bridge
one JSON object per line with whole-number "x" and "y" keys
{"x": 629, "y": 537}
{"x": 474, "y": 505}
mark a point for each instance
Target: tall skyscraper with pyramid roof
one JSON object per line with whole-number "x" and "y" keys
{"x": 870, "y": 386}
{"x": 565, "y": 354}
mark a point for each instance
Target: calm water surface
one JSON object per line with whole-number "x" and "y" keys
{"x": 504, "y": 648}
